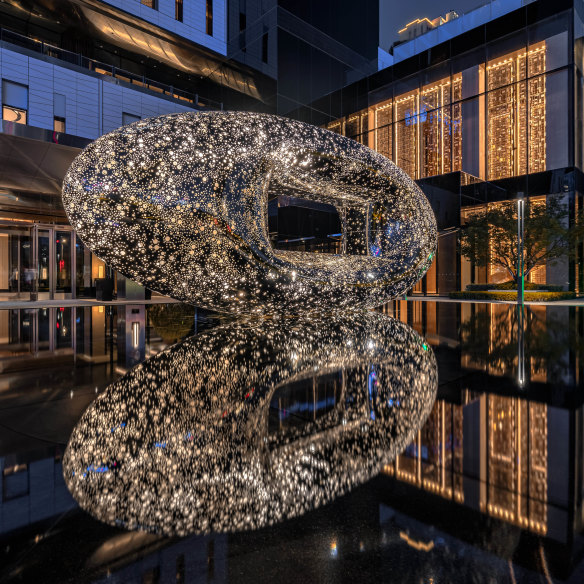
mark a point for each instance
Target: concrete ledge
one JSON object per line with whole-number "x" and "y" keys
{"x": 22, "y": 304}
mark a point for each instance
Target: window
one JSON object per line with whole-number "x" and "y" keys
{"x": 242, "y": 25}
{"x": 209, "y": 18}
{"x": 178, "y": 10}
{"x": 516, "y": 110}
{"x": 150, "y": 3}
{"x": 129, "y": 118}
{"x": 265, "y": 48}
{"x": 58, "y": 124}
{"x": 15, "y": 483}
{"x": 14, "y": 102}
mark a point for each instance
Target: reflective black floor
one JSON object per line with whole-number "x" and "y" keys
{"x": 437, "y": 442}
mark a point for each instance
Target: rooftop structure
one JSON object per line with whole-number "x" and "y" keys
{"x": 420, "y": 26}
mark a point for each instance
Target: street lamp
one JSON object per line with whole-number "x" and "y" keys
{"x": 520, "y": 236}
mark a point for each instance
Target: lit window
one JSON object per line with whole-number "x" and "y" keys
{"x": 135, "y": 335}
{"x": 129, "y": 118}
{"x": 13, "y": 114}
{"x": 14, "y": 102}
{"x": 209, "y": 18}
{"x": 59, "y": 124}
{"x": 178, "y": 10}
{"x": 150, "y": 3}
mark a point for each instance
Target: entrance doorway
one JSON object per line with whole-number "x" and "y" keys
{"x": 36, "y": 259}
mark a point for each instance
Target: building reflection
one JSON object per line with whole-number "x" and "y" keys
{"x": 492, "y": 443}
{"x": 433, "y": 462}
{"x": 495, "y": 458}
{"x": 510, "y": 445}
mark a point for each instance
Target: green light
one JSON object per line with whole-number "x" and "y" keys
{"x": 425, "y": 347}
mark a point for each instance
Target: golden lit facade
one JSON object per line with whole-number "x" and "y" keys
{"x": 516, "y": 142}
{"x": 421, "y": 130}
{"x": 516, "y": 489}
{"x": 433, "y": 461}
{"x": 513, "y": 456}
{"x": 502, "y": 449}
{"x": 495, "y": 273}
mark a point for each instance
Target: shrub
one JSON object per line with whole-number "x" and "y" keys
{"x": 512, "y": 286}
{"x": 512, "y": 296}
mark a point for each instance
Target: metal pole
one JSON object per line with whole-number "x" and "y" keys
{"x": 520, "y": 290}
{"x": 520, "y": 235}
{"x": 520, "y": 346}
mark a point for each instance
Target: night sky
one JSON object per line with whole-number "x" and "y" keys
{"x": 395, "y": 14}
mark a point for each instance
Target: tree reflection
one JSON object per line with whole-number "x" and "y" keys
{"x": 496, "y": 336}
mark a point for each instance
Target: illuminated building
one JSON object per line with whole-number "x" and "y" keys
{"x": 71, "y": 71}
{"x": 483, "y": 446}
{"x": 421, "y": 25}
{"x": 478, "y": 111}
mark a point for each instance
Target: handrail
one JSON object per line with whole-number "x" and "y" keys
{"x": 80, "y": 60}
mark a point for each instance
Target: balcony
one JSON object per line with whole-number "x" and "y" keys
{"x": 196, "y": 100}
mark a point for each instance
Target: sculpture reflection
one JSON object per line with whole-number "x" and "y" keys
{"x": 182, "y": 443}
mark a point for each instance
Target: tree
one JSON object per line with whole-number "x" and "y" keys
{"x": 489, "y": 236}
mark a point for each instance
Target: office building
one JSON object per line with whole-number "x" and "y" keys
{"x": 309, "y": 48}
{"x": 73, "y": 71}
{"x": 482, "y": 109}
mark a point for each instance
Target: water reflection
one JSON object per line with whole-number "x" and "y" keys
{"x": 215, "y": 433}
{"x": 532, "y": 344}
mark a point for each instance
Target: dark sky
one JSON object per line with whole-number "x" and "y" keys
{"x": 395, "y": 14}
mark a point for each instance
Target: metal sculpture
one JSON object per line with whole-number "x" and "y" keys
{"x": 179, "y": 202}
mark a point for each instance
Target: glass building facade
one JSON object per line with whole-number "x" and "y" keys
{"x": 62, "y": 85}
{"x": 486, "y": 116}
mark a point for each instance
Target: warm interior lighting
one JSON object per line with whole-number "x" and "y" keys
{"x": 421, "y": 130}
{"x": 14, "y": 114}
{"x": 511, "y": 102}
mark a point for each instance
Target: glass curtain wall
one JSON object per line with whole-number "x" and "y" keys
{"x": 503, "y": 102}
{"x": 497, "y": 112}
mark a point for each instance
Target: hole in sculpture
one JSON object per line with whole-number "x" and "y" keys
{"x": 298, "y": 224}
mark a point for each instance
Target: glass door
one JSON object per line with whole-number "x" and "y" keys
{"x": 16, "y": 274}
{"x": 44, "y": 262}
{"x": 63, "y": 263}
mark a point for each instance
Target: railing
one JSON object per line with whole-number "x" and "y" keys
{"x": 104, "y": 69}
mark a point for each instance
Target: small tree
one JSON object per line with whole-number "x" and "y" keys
{"x": 490, "y": 236}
